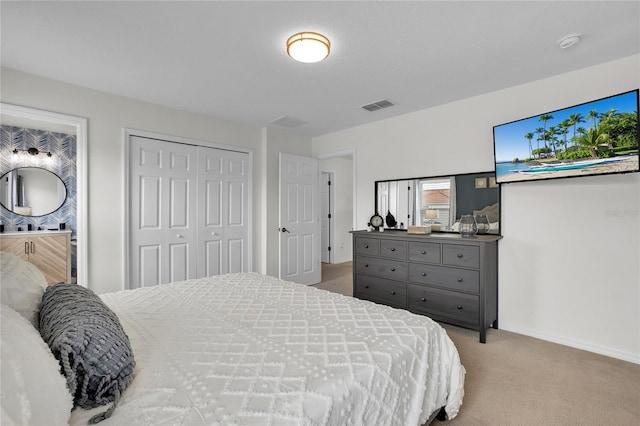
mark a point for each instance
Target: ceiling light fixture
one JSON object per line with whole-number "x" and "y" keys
{"x": 568, "y": 41}
{"x": 308, "y": 47}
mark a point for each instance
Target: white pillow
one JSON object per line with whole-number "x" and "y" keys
{"x": 22, "y": 285}
{"x": 34, "y": 392}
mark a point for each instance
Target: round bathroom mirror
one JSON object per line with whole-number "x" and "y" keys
{"x": 32, "y": 191}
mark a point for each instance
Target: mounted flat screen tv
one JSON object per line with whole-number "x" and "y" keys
{"x": 595, "y": 138}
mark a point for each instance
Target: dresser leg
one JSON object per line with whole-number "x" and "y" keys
{"x": 483, "y": 335}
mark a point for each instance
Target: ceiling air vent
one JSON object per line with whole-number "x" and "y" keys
{"x": 384, "y": 103}
{"x": 286, "y": 121}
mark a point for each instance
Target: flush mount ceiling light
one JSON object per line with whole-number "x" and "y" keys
{"x": 308, "y": 47}
{"x": 568, "y": 41}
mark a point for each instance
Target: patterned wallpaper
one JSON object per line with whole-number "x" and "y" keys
{"x": 62, "y": 163}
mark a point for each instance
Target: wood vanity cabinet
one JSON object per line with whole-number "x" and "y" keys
{"x": 48, "y": 251}
{"x": 444, "y": 276}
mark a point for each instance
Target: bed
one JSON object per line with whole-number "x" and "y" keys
{"x": 249, "y": 349}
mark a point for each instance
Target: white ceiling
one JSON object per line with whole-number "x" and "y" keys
{"x": 228, "y": 59}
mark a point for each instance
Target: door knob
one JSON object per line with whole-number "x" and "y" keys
{"x": 283, "y": 229}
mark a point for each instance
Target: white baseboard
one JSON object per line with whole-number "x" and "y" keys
{"x": 574, "y": 343}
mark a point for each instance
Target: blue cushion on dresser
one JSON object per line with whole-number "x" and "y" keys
{"x": 88, "y": 340}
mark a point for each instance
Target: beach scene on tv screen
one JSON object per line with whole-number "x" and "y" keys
{"x": 597, "y": 137}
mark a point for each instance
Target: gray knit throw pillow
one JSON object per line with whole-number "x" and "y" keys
{"x": 88, "y": 340}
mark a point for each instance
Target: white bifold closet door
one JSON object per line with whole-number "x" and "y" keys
{"x": 188, "y": 211}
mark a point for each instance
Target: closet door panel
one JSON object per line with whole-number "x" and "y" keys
{"x": 162, "y": 223}
{"x": 213, "y": 258}
{"x": 235, "y": 216}
{"x": 223, "y": 216}
{"x": 210, "y": 212}
{"x": 235, "y": 248}
{"x": 149, "y": 210}
{"x": 179, "y": 262}
{"x": 179, "y": 204}
{"x": 148, "y": 271}
{"x": 188, "y": 213}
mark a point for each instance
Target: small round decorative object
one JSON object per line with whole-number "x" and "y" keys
{"x": 376, "y": 221}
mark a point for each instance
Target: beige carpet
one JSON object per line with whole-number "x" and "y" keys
{"x": 521, "y": 381}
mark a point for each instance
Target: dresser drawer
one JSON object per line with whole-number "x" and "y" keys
{"x": 424, "y": 252}
{"x": 394, "y": 249}
{"x": 444, "y": 304}
{"x": 368, "y": 246}
{"x": 442, "y": 276}
{"x": 385, "y": 268}
{"x": 459, "y": 255}
{"x": 380, "y": 290}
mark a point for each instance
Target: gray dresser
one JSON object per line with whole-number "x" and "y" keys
{"x": 441, "y": 275}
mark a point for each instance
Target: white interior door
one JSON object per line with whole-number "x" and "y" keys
{"x": 188, "y": 211}
{"x": 223, "y": 198}
{"x": 299, "y": 219}
{"x": 162, "y": 220}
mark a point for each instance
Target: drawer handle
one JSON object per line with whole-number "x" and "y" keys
{"x": 459, "y": 255}
{"x": 393, "y": 249}
{"x": 392, "y": 292}
{"x": 366, "y": 246}
{"x": 26, "y": 247}
{"x": 424, "y": 252}
{"x": 460, "y": 280}
{"x": 393, "y": 269}
{"x": 423, "y": 299}
{"x": 366, "y": 286}
{"x": 366, "y": 265}
{"x": 424, "y": 274}
{"x": 459, "y": 307}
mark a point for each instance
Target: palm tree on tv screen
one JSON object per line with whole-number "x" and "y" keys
{"x": 544, "y": 118}
{"x": 530, "y": 136}
{"x": 574, "y": 120}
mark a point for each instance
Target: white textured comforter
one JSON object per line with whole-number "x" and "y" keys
{"x": 248, "y": 349}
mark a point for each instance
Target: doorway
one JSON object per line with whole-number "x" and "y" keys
{"x": 341, "y": 167}
{"x": 54, "y": 122}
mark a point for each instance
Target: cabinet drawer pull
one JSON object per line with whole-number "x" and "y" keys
{"x": 459, "y": 255}
{"x": 460, "y": 280}
{"x": 366, "y": 265}
{"x": 423, "y": 252}
{"x": 424, "y": 274}
{"x": 393, "y": 249}
{"x": 459, "y": 307}
{"x": 392, "y": 292}
{"x": 393, "y": 269}
{"x": 26, "y": 247}
{"x": 32, "y": 247}
{"x": 366, "y": 286}
{"x": 424, "y": 299}
{"x": 366, "y": 246}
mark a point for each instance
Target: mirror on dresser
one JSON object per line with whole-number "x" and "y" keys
{"x": 439, "y": 201}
